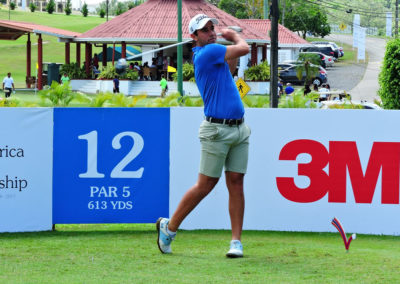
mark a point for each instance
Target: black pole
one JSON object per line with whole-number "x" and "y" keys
{"x": 107, "y": 10}
{"x": 273, "y": 88}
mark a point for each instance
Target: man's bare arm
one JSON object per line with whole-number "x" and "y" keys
{"x": 238, "y": 49}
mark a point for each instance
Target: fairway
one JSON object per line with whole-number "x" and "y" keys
{"x": 128, "y": 253}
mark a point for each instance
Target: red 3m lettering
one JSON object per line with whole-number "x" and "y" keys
{"x": 344, "y": 155}
{"x": 314, "y": 171}
{"x": 342, "y": 158}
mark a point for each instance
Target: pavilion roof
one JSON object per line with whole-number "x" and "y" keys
{"x": 285, "y": 36}
{"x": 155, "y": 21}
{"x": 12, "y": 30}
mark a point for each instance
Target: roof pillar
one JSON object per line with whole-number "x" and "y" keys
{"x": 88, "y": 57}
{"x": 264, "y": 52}
{"x": 123, "y": 49}
{"x": 104, "y": 55}
{"x": 78, "y": 54}
{"x": 67, "y": 53}
{"x": 253, "y": 54}
{"x": 40, "y": 63}
{"x": 28, "y": 60}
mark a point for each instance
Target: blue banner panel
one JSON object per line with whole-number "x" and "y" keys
{"x": 111, "y": 165}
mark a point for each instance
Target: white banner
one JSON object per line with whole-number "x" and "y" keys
{"x": 26, "y": 151}
{"x": 389, "y": 24}
{"x": 361, "y": 43}
{"x": 356, "y": 26}
{"x": 305, "y": 167}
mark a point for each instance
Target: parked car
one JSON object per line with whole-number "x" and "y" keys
{"x": 339, "y": 104}
{"x": 333, "y": 44}
{"x": 326, "y": 60}
{"x": 289, "y": 75}
{"x": 325, "y": 49}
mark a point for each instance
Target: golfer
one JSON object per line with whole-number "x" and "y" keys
{"x": 223, "y": 134}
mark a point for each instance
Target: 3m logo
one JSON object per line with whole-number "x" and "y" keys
{"x": 342, "y": 157}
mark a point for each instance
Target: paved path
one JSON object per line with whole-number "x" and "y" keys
{"x": 367, "y": 88}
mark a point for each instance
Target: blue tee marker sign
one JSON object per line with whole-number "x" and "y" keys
{"x": 111, "y": 165}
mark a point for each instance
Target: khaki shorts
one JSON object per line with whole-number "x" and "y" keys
{"x": 223, "y": 145}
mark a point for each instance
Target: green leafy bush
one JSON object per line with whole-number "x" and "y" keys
{"x": 68, "y": 9}
{"x": 32, "y": 7}
{"x": 389, "y": 78}
{"x": 58, "y": 95}
{"x": 260, "y": 72}
{"x": 85, "y": 10}
{"x": 298, "y": 100}
{"x": 12, "y": 5}
{"x": 102, "y": 13}
{"x": 51, "y": 6}
{"x": 73, "y": 70}
{"x": 187, "y": 73}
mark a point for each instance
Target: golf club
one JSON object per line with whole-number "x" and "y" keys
{"x": 235, "y": 28}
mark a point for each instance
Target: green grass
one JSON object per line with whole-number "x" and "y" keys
{"x": 13, "y": 53}
{"x": 127, "y": 253}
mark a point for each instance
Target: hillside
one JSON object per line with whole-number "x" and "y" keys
{"x": 13, "y": 53}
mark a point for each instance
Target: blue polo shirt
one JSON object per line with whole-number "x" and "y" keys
{"x": 216, "y": 85}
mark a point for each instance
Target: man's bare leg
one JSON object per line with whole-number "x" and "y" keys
{"x": 234, "y": 182}
{"x": 191, "y": 199}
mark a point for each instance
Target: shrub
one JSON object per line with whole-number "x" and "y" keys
{"x": 58, "y": 95}
{"x": 260, "y": 72}
{"x": 12, "y": 5}
{"x": 85, "y": 10}
{"x": 32, "y": 7}
{"x": 187, "y": 73}
{"x": 102, "y": 13}
{"x": 68, "y": 10}
{"x": 51, "y": 6}
{"x": 73, "y": 70}
{"x": 389, "y": 78}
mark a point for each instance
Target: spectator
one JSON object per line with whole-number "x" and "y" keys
{"x": 280, "y": 88}
{"x": 8, "y": 85}
{"x": 96, "y": 61}
{"x": 64, "y": 79}
{"x": 323, "y": 93}
{"x": 289, "y": 89}
{"x": 116, "y": 84}
{"x": 164, "y": 86}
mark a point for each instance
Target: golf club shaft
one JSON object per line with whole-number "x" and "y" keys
{"x": 159, "y": 49}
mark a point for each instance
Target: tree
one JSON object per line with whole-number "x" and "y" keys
{"x": 85, "y": 10}
{"x": 51, "y": 6}
{"x": 302, "y": 17}
{"x": 121, "y": 8}
{"x": 12, "y": 5}
{"x": 68, "y": 10}
{"x": 389, "y": 78}
{"x": 243, "y": 9}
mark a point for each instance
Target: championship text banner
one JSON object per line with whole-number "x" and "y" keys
{"x": 111, "y": 165}
{"x": 26, "y": 147}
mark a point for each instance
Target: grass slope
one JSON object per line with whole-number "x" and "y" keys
{"x": 13, "y": 53}
{"x": 127, "y": 253}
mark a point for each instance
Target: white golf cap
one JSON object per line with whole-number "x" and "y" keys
{"x": 199, "y": 21}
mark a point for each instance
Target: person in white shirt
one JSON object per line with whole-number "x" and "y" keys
{"x": 8, "y": 85}
{"x": 324, "y": 93}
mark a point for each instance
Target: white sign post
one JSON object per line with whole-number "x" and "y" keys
{"x": 361, "y": 43}
{"x": 389, "y": 24}
{"x": 356, "y": 26}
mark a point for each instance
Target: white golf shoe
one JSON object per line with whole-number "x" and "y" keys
{"x": 236, "y": 249}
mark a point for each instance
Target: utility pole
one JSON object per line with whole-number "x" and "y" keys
{"x": 273, "y": 87}
{"x": 107, "y": 10}
{"x": 396, "y": 26}
{"x": 180, "y": 49}
{"x": 266, "y": 12}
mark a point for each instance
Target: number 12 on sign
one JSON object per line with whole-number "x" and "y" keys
{"x": 118, "y": 170}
